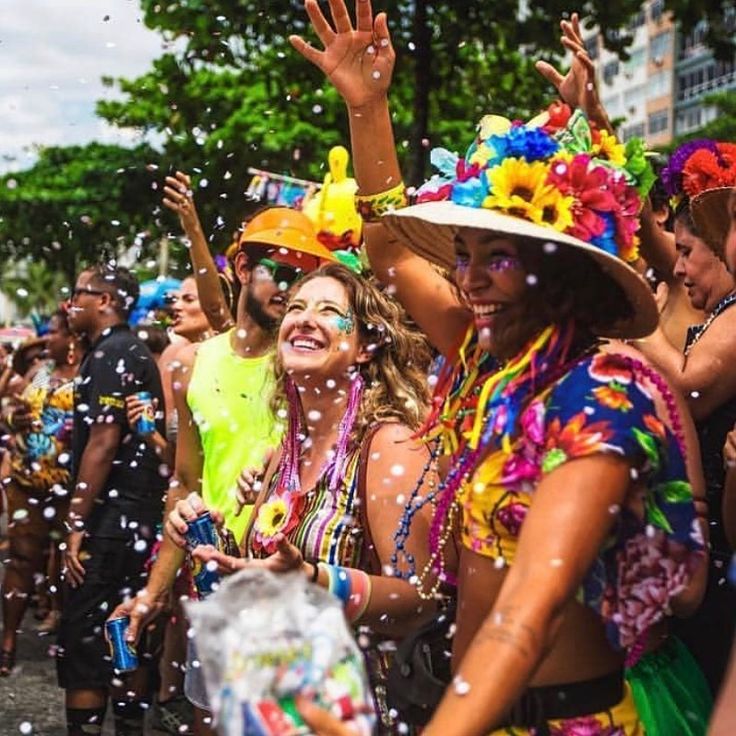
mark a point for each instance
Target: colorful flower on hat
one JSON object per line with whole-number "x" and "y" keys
{"x": 608, "y": 148}
{"x": 556, "y": 171}
{"x": 518, "y": 187}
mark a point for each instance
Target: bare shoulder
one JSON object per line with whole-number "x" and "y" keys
{"x": 392, "y": 443}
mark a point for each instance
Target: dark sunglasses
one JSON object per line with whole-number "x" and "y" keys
{"x": 281, "y": 273}
{"x": 76, "y": 291}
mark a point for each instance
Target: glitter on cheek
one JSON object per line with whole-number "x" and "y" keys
{"x": 345, "y": 324}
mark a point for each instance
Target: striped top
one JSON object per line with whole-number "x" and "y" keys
{"x": 323, "y": 524}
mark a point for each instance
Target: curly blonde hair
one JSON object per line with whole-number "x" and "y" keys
{"x": 395, "y": 377}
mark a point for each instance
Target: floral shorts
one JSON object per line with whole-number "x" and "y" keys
{"x": 621, "y": 720}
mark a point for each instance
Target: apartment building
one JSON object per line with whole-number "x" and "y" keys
{"x": 697, "y": 75}
{"x": 639, "y": 93}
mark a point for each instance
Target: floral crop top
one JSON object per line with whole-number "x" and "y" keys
{"x": 598, "y": 406}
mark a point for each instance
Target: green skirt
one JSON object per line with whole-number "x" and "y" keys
{"x": 670, "y": 692}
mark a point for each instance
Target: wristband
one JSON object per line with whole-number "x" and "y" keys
{"x": 372, "y": 207}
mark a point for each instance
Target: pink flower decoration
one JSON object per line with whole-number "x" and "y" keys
{"x": 437, "y": 195}
{"x": 585, "y": 726}
{"x": 518, "y": 469}
{"x": 512, "y": 517}
{"x": 532, "y": 422}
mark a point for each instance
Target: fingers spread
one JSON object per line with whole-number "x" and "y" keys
{"x": 363, "y": 15}
{"x": 549, "y": 73}
{"x": 340, "y": 16}
{"x": 321, "y": 27}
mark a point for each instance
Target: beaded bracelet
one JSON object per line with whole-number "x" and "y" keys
{"x": 372, "y": 207}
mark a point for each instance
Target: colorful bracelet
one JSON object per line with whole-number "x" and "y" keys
{"x": 372, "y": 207}
{"x": 352, "y": 587}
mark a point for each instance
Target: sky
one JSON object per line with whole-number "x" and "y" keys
{"x": 53, "y": 54}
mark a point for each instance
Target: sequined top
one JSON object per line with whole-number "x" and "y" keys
{"x": 598, "y": 406}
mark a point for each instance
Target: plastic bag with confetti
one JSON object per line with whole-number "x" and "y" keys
{"x": 263, "y": 639}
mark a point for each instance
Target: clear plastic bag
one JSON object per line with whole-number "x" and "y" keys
{"x": 262, "y": 639}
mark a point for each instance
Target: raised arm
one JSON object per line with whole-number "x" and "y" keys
{"x": 359, "y": 61}
{"x": 178, "y": 198}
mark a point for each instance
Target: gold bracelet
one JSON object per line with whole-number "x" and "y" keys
{"x": 372, "y": 207}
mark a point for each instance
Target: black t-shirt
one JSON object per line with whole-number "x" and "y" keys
{"x": 117, "y": 365}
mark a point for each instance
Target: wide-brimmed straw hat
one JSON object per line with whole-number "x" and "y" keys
{"x": 282, "y": 227}
{"x": 702, "y": 173}
{"x": 555, "y": 180}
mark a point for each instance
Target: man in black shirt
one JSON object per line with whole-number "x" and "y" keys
{"x": 117, "y": 501}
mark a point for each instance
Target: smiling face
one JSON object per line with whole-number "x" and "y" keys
{"x": 704, "y": 275}
{"x": 188, "y": 318}
{"x": 491, "y": 278}
{"x": 319, "y": 336}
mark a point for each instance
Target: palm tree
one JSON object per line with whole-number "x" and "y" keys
{"x": 33, "y": 288}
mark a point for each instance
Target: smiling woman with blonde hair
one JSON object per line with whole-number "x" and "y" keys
{"x": 354, "y": 377}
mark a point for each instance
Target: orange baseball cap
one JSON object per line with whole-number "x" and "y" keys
{"x": 282, "y": 227}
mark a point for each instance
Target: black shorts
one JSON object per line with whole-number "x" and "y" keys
{"x": 113, "y": 570}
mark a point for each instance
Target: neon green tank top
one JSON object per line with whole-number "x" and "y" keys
{"x": 229, "y": 398}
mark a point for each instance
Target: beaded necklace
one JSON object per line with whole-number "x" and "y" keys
{"x": 697, "y": 331}
{"x": 493, "y": 401}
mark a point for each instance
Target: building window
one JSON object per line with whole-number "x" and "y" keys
{"x": 633, "y": 98}
{"x": 659, "y": 84}
{"x": 612, "y": 105}
{"x": 591, "y": 46}
{"x": 692, "y": 44}
{"x": 659, "y": 122}
{"x": 688, "y": 120}
{"x": 610, "y": 70}
{"x": 633, "y": 131}
{"x": 659, "y": 47}
{"x": 636, "y": 60}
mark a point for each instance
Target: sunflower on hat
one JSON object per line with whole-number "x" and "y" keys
{"x": 556, "y": 171}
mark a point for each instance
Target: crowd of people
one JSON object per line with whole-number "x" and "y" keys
{"x": 508, "y": 426}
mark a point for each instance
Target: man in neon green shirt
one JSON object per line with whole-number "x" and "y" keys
{"x": 222, "y": 389}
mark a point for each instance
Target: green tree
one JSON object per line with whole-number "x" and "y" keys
{"x": 33, "y": 287}
{"x": 78, "y": 204}
{"x": 234, "y": 94}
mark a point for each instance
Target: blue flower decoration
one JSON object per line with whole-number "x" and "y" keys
{"x": 607, "y": 241}
{"x": 531, "y": 144}
{"x": 470, "y": 193}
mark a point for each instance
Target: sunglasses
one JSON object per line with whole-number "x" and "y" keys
{"x": 76, "y": 291}
{"x": 281, "y": 273}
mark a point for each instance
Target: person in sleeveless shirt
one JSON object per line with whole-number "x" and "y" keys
{"x": 354, "y": 379}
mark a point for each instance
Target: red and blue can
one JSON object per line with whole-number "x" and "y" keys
{"x": 124, "y": 657}
{"x": 146, "y": 423}
{"x": 202, "y": 530}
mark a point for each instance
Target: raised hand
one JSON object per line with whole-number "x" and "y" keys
{"x": 357, "y": 60}
{"x": 577, "y": 88}
{"x": 178, "y": 198}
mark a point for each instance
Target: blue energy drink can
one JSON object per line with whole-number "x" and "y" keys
{"x": 124, "y": 658}
{"x": 146, "y": 423}
{"x": 202, "y": 531}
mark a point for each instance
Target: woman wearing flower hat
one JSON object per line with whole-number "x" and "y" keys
{"x": 567, "y": 462}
